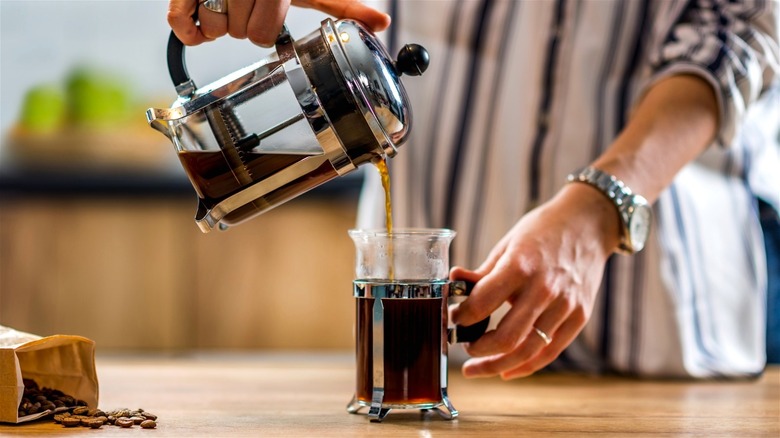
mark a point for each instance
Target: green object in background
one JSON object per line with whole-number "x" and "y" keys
{"x": 44, "y": 109}
{"x": 96, "y": 99}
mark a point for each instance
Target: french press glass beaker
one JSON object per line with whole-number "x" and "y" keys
{"x": 315, "y": 109}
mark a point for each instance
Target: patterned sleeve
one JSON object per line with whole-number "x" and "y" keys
{"x": 733, "y": 44}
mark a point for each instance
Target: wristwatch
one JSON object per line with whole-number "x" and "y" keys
{"x": 633, "y": 209}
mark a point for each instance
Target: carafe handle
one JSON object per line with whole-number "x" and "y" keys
{"x": 468, "y": 333}
{"x": 177, "y": 66}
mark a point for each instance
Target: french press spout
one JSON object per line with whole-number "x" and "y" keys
{"x": 315, "y": 109}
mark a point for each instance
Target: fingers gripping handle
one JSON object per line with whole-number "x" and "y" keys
{"x": 466, "y": 333}
{"x": 177, "y": 66}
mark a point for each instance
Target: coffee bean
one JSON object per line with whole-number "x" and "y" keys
{"x": 137, "y": 420}
{"x": 124, "y": 422}
{"x": 81, "y": 410}
{"x": 149, "y": 416}
{"x": 30, "y": 383}
{"x": 148, "y": 424}
{"x": 71, "y": 422}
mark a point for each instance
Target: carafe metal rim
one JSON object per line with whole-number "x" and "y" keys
{"x": 411, "y": 289}
{"x": 402, "y": 232}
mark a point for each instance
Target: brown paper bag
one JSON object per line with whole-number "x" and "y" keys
{"x": 60, "y": 362}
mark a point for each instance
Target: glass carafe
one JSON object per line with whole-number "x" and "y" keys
{"x": 402, "y": 292}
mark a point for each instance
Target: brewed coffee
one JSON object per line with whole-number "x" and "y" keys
{"x": 413, "y": 343}
{"x": 214, "y": 180}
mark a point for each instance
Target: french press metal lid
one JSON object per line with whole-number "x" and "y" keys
{"x": 317, "y": 108}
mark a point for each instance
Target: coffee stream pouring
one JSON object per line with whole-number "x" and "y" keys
{"x": 317, "y": 108}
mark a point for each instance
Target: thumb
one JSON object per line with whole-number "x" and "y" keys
{"x": 459, "y": 273}
{"x": 374, "y": 19}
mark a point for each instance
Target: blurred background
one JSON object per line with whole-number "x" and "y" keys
{"x": 97, "y": 236}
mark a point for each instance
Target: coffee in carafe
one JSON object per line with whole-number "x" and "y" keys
{"x": 214, "y": 180}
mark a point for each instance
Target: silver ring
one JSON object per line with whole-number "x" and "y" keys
{"x": 545, "y": 337}
{"x": 218, "y": 6}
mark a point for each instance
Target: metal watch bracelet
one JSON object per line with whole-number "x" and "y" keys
{"x": 633, "y": 209}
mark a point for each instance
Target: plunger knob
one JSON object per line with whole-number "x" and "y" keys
{"x": 412, "y": 60}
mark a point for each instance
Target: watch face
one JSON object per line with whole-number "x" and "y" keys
{"x": 639, "y": 226}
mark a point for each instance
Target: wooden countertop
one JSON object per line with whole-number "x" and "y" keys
{"x": 299, "y": 394}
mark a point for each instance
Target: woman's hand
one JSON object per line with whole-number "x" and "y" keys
{"x": 258, "y": 20}
{"x": 548, "y": 268}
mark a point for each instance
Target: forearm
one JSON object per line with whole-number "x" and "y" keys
{"x": 675, "y": 122}
{"x": 715, "y": 61}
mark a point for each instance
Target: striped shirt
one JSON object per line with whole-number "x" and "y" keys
{"x": 521, "y": 93}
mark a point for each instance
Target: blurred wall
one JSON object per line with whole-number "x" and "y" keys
{"x": 137, "y": 274}
{"x": 40, "y": 41}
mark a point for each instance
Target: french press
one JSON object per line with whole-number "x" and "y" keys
{"x": 317, "y": 108}
{"x": 402, "y": 291}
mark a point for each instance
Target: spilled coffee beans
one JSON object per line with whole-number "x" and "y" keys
{"x": 95, "y": 418}
{"x": 36, "y": 399}
{"x": 71, "y": 412}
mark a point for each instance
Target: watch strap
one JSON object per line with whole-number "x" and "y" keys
{"x": 617, "y": 192}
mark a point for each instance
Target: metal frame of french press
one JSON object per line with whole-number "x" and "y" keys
{"x": 378, "y": 410}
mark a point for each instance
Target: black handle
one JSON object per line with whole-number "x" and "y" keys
{"x": 471, "y": 333}
{"x": 177, "y": 67}
{"x": 176, "y": 64}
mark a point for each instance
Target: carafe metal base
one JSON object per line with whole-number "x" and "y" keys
{"x": 378, "y": 410}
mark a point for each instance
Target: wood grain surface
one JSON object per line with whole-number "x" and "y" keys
{"x": 303, "y": 394}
